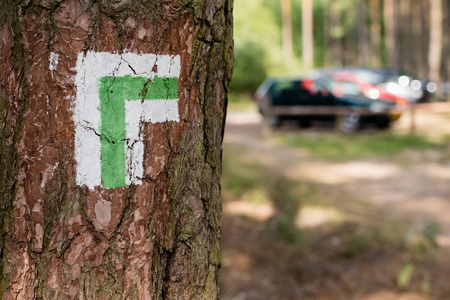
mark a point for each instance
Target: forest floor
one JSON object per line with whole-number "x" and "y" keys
{"x": 298, "y": 224}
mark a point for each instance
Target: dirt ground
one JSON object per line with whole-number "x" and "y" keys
{"x": 359, "y": 258}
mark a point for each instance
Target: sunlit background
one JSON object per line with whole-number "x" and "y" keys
{"x": 407, "y": 35}
{"x": 310, "y": 212}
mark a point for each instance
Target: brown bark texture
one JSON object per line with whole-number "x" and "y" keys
{"x": 156, "y": 240}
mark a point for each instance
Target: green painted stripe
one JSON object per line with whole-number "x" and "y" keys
{"x": 113, "y": 92}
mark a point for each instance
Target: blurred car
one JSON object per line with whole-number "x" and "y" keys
{"x": 389, "y": 81}
{"x": 354, "y": 82}
{"x": 296, "y": 99}
{"x": 405, "y": 85}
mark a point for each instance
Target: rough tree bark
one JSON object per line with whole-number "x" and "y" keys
{"x": 148, "y": 235}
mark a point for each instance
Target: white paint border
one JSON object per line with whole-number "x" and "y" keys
{"x": 90, "y": 68}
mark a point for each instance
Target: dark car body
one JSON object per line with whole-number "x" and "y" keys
{"x": 283, "y": 99}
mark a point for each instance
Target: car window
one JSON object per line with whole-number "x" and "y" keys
{"x": 323, "y": 85}
{"x": 350, "y": 88}
{"x": 281, "y": 86}
{"x": 264, "y": 88}
{"x": 370, "y": 77}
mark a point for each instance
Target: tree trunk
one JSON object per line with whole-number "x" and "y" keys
{"x": 336, "y": 33}
{"x": 375, "y": 33}
{"x": 436, "y": 39}
{"x": 111, "y": 124}
{"x": 405, "y": 41}
{"x": 418, "y": 38}
{"x": 363, "y": 44}
{"x": 390, "y": 14}
{"x": 307, "y": 34}
{"x": 286, "y": 24}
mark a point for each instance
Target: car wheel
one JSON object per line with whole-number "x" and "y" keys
{"x": 274, "y": 121}
{"x": 349, "y": 122}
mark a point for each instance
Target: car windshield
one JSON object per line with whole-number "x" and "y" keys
{"x": 350, "y": 88}
{"x": 264, "y": 88}
{"x": 370, "y": 77}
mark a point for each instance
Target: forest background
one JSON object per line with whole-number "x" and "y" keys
{"x": 274, "y": 37}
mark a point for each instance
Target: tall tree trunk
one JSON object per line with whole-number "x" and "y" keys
{"x": 363, "y": 43}
{"x": 111, "y": 124}
{"x": 351, "y": 33}
{"x": 327, "y": 36}
{"x": 418, "y": 38}
{"x": 406, "y": 44}
{"x": 390, "y": 14}
{"x": 307, "y": 34}
{"x": 375, "y": 33}
{"x": 436, "y": 39}
{"x": 286, "y": 16}
{"x": 446, "y": 49}
{"x": 336, "y": 33}
{"x": 425, "y": 22}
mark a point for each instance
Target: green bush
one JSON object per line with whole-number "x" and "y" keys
{"x": 249, "y": 70}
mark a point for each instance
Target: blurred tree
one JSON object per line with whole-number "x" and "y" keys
{"x": 287, "y": 27}
{"x": 307, "y": 34}
{"x": 391, "y": 33}
{"x": 363, "y": 43}
{"x": 375, "y": 33}
{"x": 350, "y": 27}
{"x": 408, "y": 43}
{"x": 390, "y": 24}
{"x": 417, "y": 36}
{"x": 446, "y": 50}
{"x": 436, "y": 39}
{"x": 336, "y": 30}
{"x": 249, "y": 70}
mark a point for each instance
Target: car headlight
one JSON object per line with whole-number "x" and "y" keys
{"x": 431, "y": 87}
{"x": 403, "y": 80}
{"x": 373, "y": 93}
{"x": 416, "y": 84}
{"x": 393, "y": 88}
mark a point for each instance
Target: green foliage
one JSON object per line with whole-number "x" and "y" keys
{"x": 430, "y": 233}
{"x": 258, "y": 38}
{"x": 405, "y": 275}
{"x": 258, "y": 47}
{"x": 241, "y": 101}
{"x": 338, "y": 147}
{"x": 249, "y": 70}
{"x": 424, "y": 242}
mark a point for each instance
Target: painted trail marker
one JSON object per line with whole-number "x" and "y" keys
{"x": 116, "y": 95}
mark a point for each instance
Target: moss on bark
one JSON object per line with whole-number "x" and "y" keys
{"x": 12, "y": 106}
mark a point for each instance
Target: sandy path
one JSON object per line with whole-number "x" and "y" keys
{"x": 418, "y": 189}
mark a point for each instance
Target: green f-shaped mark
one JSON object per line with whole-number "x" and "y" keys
{"x": 114, "y": 92}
